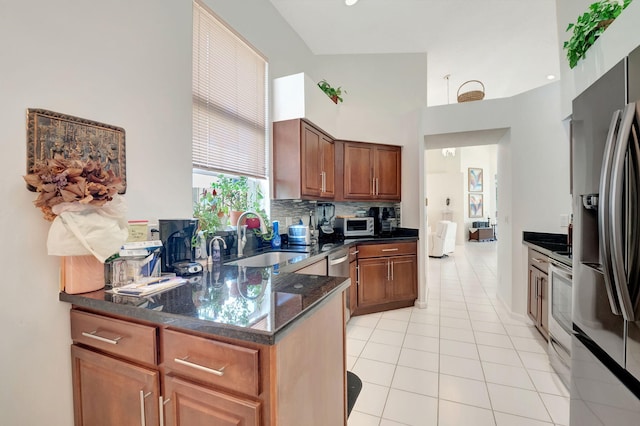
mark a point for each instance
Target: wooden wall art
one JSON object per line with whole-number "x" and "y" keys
{"x": 51, "y": 133}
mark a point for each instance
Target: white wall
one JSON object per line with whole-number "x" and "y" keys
{"x": 540, "y": 177}
{"x": 122, "y": 62}
{"x": 483, "y": 157}
{"x": 448, "y": 178}
{"x": 532, "y": 169}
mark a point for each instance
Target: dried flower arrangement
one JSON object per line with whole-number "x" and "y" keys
{"x": 59, "y": 180}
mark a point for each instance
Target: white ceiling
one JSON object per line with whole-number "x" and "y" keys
{"x": 509, "y": 45}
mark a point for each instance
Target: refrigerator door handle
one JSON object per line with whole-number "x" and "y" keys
{"x": 617, "y": 213}
{"x": 604, "y": 225}
{"x": 633, "y": 211}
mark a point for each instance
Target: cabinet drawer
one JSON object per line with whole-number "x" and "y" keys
{"x": 388, "y": 249}
{"x": 221, "y": 364}
{"x": 125, "y": 339}
{"x": 539, "y": 261}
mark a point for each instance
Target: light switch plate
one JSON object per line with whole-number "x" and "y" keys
{"x": 564, "y": 220}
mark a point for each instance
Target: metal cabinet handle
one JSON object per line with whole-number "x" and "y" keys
{"x": 334, "y": 262}
{"x": 143, "y": 417}
{"x": 535, "y": 259}
{"x": 392, "y": 270}
{"x": 388, "y": 270}
{"x": 377, "y": 186}
{"x": 162, "y": 403}
{"x": 390, "y": 249}
{"x": 358, "y": 275}
{"x": 183, "y": 361}
{"x": 93, "y": 335}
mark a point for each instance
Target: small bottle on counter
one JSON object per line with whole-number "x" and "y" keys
{"x": 215, "y": 253}
{"x": 276, "y": 241}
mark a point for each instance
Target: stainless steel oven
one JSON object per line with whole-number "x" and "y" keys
{"x": 560, "y": 306}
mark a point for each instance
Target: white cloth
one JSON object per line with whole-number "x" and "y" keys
{"x": 81, "y": 230}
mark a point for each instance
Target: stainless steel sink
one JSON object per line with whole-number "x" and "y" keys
{"x": 269, "y": 259}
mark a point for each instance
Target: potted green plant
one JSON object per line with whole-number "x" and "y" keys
{"x": 206, "y": 211}
{"x": 335, "y": 93}
{"x": 589, "y": 26}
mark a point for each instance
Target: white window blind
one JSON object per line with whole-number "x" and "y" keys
{"x": 229, "y": 100}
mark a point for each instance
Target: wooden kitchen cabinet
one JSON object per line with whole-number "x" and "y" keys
{"x": 191, "y": 404}
{"x": 115, "y": 379}
{"x": 126, "y": 372}
{"x": 108, "y": 391}
{"x": 538, "y": 292}
{"x": 387, "y": 276}
{"x": 371, "y": 171}
{"x": 303, "y": 161}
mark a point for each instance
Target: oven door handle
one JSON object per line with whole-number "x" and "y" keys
{"x": 561, "y": 270}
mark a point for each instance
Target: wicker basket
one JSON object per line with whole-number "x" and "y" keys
{"x": 473, "y": 95}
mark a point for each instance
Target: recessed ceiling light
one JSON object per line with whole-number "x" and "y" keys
{"x": 350, "y": 2}
{"x": 551, "y": 77}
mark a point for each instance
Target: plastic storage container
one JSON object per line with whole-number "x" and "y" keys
{"x": 81, "y": 274}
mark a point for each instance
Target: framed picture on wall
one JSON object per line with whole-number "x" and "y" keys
{"x": 475, "y": 205}
{"x": 51, "y": 134}
{"x": 475, "y": 179}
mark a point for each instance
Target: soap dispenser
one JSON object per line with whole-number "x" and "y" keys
{"x": 276, "y": 242}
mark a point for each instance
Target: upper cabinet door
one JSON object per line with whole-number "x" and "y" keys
{"x": 328, "y": 167}
{"x": 311, "y": 166}
{"x": 387, "y": 166}
{"x": 358, "y": 171}
{"x": 303, "y": 161}
{"x": 372, "y": 172}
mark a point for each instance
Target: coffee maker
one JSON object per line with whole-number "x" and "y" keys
{"x": 177, "y": 252}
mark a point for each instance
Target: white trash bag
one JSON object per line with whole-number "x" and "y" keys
{"x": 83, "y": 229}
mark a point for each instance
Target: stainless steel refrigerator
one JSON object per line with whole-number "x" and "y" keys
{"x": 605, "y": 356}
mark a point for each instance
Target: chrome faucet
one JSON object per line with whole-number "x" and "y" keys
{"x": 216, "y": 238}
{"x": 242, "y": 230}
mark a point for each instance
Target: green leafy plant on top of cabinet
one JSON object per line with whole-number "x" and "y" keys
{"x": 589, "y": 26}
{"x": 335, "y": 93}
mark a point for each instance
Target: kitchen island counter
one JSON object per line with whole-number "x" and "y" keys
{"x": 254, "y": 304}
{"x": 249, "y": 304}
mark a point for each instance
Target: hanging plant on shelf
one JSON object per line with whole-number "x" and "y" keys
{"x": 335, "y": 93}
{"x": 589, "y": 26}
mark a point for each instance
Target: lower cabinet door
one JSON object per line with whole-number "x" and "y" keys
{"x": 108, "y": 391}
{"x": 404, "y": 272}
{"x": 189, "y": 404}
{"x": 374, "y": 279}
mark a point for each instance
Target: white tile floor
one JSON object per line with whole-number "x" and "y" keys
{"x": 461, "y": 361}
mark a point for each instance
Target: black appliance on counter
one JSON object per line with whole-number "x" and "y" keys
{"x": 385, "y": 221}
{"x": 375, "y": 213}
{"x": 177, "y": 251}
{"x": 605, "y": 347}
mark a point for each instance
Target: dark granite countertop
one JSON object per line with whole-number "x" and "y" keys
{"x": 552, "y": 245}
{"x": 246, "y": 303}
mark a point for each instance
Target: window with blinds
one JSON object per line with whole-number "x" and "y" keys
{"x": 229, "y": 100}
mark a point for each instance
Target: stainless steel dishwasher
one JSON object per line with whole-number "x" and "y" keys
{"x": 338, "y": 263}
{"x": 338, "y": 266}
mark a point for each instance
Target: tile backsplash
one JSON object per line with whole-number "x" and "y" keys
{"x": 294, "y": 210}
